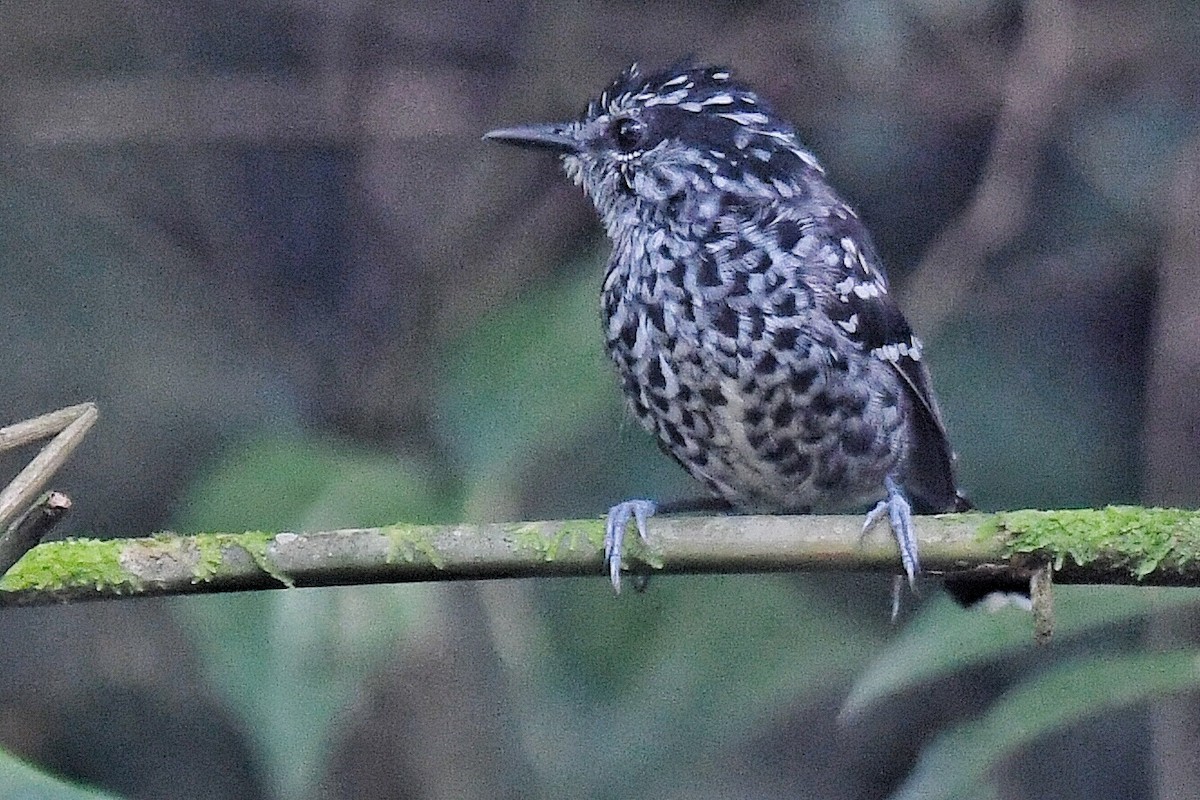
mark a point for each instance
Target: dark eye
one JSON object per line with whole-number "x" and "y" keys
{"x": 627, "y": 133}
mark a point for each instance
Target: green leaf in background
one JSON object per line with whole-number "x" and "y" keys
{"x": 292, "y": 483}
{"x": 1034, "y": 450}
{"x": 20, "y": 780}
{"x": 289, "y": 660}
{"x": 944, "y": 638}
{"x": 528, "y": 375}
{"x": 960, "y": 760}
{"x": 678, "y": 675}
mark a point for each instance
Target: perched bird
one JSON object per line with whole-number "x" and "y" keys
{"x": 747, "y": 311}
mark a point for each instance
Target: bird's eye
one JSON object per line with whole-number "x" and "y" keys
{"x": 627, "y": 133}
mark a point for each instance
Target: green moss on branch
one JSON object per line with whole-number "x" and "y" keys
{"x": 1112, "y": 545}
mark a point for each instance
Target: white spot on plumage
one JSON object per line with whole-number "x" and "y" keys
{"x": 868, "y": 290}
{"x": 914, "y": 350}
{"x": 641, "y": 341}
{"x": 754, "y": 184}
{"x": 849, "y": 325}
{"x": 670, "y": 99}
{"x": 656, "y": 240}
{"x": 894, "y": 351}
{"x": 887, "y": 352}
{"x": 723, "y": 183}
{"x": 810, "y": 159}
{"x": 672, "y": 380}
{"x": 746, "y": 118}
{"x": 678, "y": 79}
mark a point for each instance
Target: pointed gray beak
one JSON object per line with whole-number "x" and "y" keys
{"x": 550, "y": 136}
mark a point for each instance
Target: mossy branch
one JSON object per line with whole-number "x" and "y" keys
{"x": 1113, "y": 545}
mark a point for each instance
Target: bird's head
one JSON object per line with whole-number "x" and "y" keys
{"x": 673, "y": 147}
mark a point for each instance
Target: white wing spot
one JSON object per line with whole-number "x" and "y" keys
{"x": 784, "y": 188}
{"x": 810, "y": 159}
{"x": 887, "y": 352}
{"x": 895, "y": 351}
{"x": 746, "y": 118}
{"x": 674, "y": 98}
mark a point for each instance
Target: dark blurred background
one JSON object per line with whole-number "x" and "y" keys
{"x": 266, "y": 239}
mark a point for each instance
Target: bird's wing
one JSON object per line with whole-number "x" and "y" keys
{"x": 862, "y": 306}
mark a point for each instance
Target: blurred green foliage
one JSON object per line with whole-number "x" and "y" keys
{"x": 962, "y": 759}
{"x": 943, "y": 639}
{"x": 681, "y": 674}
{"x": 291, "y": 660}
{"x": 211, "y": 268}
{"x": 20, "y": 780}
{"x": 526, "y": 377}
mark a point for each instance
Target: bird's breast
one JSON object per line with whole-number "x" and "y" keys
{"x": 744, "y": 393}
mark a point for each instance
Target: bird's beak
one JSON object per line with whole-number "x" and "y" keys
{"x": 551, "y": 136}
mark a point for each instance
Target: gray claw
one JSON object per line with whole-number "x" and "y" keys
{"x": 614, "y": 533}
{"x": 899, "y": 514}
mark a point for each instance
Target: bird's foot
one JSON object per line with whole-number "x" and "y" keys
{"x": 614, "y": 533}
{"x": 899, "y": 513}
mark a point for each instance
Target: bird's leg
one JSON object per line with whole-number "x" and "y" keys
{"x": 899, "y": 514}
{"x": 614, "y": 533}
{"x": 640, "y": 511}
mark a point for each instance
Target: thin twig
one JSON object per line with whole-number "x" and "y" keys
{"x": 1039, "y": 74}
{"x": 43, "y": 427}
{"x": 32, "y": 527}
{"x": 70, "y": 425}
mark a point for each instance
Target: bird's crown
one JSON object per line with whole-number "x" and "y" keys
{"x": 701, "y": 107}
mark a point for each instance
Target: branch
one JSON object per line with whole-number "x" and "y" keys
{"x": 31, "y": 527}
{"x": 68, "y": 426}
{"x": 1039, "y": 75}
{"x": 1113, "y": 545}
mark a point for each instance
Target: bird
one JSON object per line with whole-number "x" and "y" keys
{"x": 747, "y": 311}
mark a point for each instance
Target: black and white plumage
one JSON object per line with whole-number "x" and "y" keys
{"x": 746, "y": 310}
